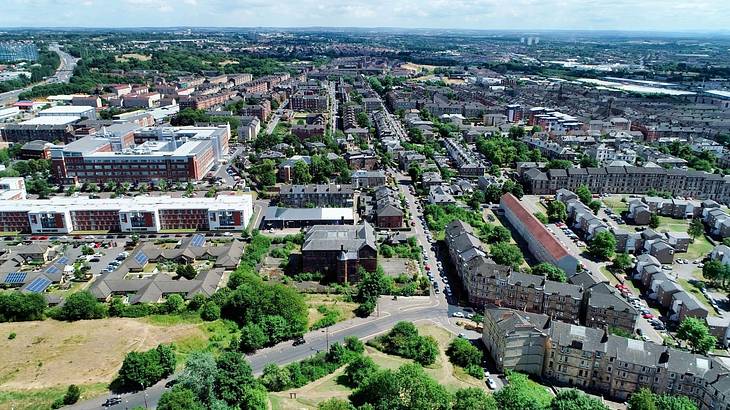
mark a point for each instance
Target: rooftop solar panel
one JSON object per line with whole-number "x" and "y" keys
{"x": 38, "y": 285}
{"x": 197, "y": 240}
{"x": 15, "y": 277}
{"x": 53, "y": 269}
{"x": 63, "y": 260}
{"x": 141, "y": 258}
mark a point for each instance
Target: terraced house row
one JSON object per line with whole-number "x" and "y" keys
{"x": 631, "y": 180}
{"x": 598, "y": 362}
{"x": 486, "y": 283}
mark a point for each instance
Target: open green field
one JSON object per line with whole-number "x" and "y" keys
{"x": 442, "y": 371}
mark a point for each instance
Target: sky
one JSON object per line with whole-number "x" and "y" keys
{"x": 632, "y": 15}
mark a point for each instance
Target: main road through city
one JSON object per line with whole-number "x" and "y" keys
{"x": 63, "y": 75}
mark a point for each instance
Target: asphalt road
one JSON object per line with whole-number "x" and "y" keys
{"x": 62, "y": 75}
{"x": 434, "y": 308}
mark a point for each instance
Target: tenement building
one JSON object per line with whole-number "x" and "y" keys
{"x": 631, "y": 180}
{"x": 339, "y": 252}
{"x": 489, "y": 284}
{"x": 598, "y": 362}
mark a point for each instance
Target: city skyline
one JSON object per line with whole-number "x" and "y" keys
{"x": 620, "y": 15}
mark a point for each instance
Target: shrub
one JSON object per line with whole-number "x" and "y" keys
{"x": 72, "y": 395}
{"x": 11, "y": 336}
{"x": 211, "y": 311}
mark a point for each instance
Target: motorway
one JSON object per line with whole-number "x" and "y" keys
{"x": 63, "y": 75}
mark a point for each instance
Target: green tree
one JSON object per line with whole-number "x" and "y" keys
{"x": 572, "y": 399}
{"x": 653, "y": 221}
{"x": 232, "y": 377}
{"x": 210, "y": 312}
{"x": 358, "y": 370}
{"x": 716, "y": 271}
{"x": 643, "y": 399}
{"x": 556, "y": 211}
{"x": 335, "y": 404}
{"x": 462, "y": 353}
{"x": 519, "y": 395}
{"x": 472, "y": 398}
{"x": 505, "y": 253}
{"x": 584, "y": 194}
{"x": 696, "y": 228}
{"x": 186, "y": 271}
{"x": 17, "y": 307}
{"x": 252, "y": 338}
{"x": 541, "y": 217}
{"x": 665, "y": 401}
{"x": 275, "y": 378}
{"x": 179, "y": 398}
{"x": 603, "y": 245}
{"x": 499, "y": 234}
{"x": 407, "y": 388}
{"x": 621, "y": 262}
{"x": 300, "y": 173}
{"x": 199, "y": 376}
{"x": 550, "y": 271}
{"x": 166, "y": 359}
{"x": 696, "y": 334}
{"x": 174, "y": 304}
{"x": 362, "y": 119}
{"x": 72, "y": 395}
{"x": 140, "y": 369}
{"x": 82, "y": 305}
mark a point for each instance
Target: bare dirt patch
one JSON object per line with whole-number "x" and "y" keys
{"x": 127, "y": 57}
{"x": 51, "y": 353}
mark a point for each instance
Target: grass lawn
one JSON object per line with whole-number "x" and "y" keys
{"x": 684, "y": 283}
{"x": 611, "y": 278}
{"x": 616, "y": 204}
{"x": 672, "y": 225}
{"x": 698, "y": 249}
{"x": 178, "y": 230}
{"x": 43, "y": 398}
{"x": 51, "y": 354}
{"x": 315, "y": 300}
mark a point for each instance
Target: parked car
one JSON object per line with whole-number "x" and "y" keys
{"x": 457, "y": 314}
{"x": 491, "y": 384}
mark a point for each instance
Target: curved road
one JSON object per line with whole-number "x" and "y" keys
{"x": 434, "y": 308}
{"x": 63, "y": 75}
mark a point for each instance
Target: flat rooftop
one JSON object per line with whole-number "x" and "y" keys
{"x": 56, "y": 204}
{"x": 66, "y": 110}
{"x": 52, "y": 120}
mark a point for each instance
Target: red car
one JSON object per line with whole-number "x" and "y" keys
{"x": 428, "y": 267}
{"x": 647, "y": 316}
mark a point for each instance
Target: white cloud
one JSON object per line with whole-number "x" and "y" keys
{"x": 482, "y": 14}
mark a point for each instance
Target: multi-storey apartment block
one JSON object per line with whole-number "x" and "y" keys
{"x": 173, "y": 154}
{"x": 302, "y": 196}
{"x": 64, "y": 215}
